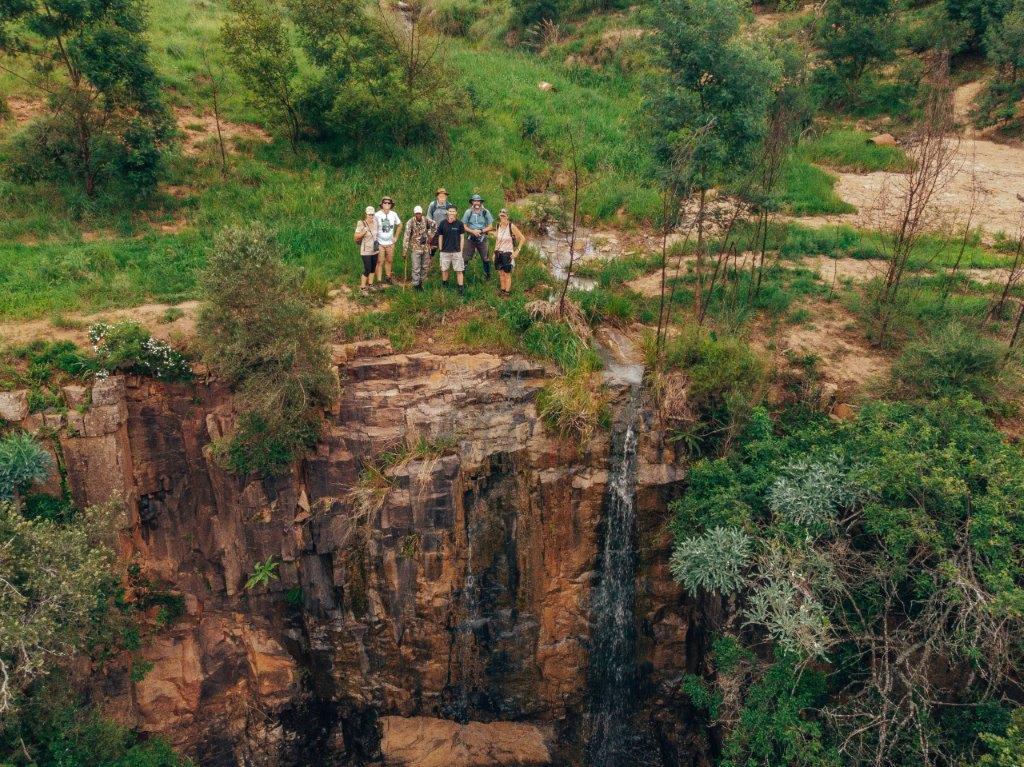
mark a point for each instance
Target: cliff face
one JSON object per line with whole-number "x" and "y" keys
{"x": 457, "y": 587}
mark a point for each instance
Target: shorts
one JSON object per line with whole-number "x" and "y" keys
{"x": 387, "y": 253}
{"x": 452, "y": 261}
{"x": 369, "y": 265}
{"x": 503, "y": 261}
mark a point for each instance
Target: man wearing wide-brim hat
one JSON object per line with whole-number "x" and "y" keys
{"x": 479, "y": 222}
{"x": 389, "y": 226}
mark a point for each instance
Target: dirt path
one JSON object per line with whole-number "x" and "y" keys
{"x": 993, "y": 172}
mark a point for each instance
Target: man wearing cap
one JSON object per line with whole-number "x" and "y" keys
{"x": 437, "y": 211}
{"x": 389, "y": 226}
{"x": 418, "y": 236}
{"x": 479, "y": 222}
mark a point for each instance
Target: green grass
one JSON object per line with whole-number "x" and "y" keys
{"x": 314, "y": 199}
{"x": 807, "y": 190}
{"x": 848, "y": 149}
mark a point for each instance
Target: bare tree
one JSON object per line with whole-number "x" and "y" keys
{"x": 574, "y": 157}
{"x": 1012, "y": 277}
{"x": 934, "y": 153}
{"x": 215, "y": 97}
{"x": 417, "y": 52}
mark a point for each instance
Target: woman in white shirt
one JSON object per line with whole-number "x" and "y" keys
{"x": 508, "y": 241}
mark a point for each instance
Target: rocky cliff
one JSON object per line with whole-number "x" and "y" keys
{"x": 435, "y": 609}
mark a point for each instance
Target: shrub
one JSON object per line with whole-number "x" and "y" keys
{"x": 575, "y": 404}
{"x": 260, "y": 333}
{"x": 808, "y": 494}
{"x": 726, "y": 379}
{"x": 22, "y": 463}
{"x": 128, "y": 347}
{"x": 714, "y": 561}
{"x": 953, "y": 361}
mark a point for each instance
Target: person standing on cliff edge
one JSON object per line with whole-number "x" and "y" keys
{"x": 389, "y": 227}
{"x": 366, "y": 236}
{"x": 478, "y": 222}
{"x": 419, "y": 233}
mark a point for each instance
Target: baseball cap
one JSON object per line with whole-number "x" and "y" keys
{"x": 417, "y": 209}
{"x": 369, "y": 210}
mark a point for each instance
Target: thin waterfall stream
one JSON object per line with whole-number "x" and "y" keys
{"x": 613, "y": 672}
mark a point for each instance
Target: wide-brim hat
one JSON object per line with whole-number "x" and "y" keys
{"x": 476, "y": 198}
{"x": 386, "y": 199}
{"x": 441, "y": 190}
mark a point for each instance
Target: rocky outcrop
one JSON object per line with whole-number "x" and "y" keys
{"x": 434, "y": 554}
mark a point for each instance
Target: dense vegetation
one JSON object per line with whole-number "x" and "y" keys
{"x": 862, "y": 577}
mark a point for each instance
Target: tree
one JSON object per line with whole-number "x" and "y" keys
{"x": 1004, "y": 43}
{"x": 714, "y": 84}
{"x": 261, "y": 334}
{"x": 977, "y": 17}
{"x": 257, "y": 43}
{"x": 50, "y": 575}
{"x": 106, "y": 121}
{"x": 854, "y": 35}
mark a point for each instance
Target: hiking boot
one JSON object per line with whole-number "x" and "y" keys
{"x": 364, "y": 291}
{"x": 417, "y": 286}
{"x": 462, "y": 290}
{"x": 388, "y": 280}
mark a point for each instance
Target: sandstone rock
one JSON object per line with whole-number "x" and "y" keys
{"x": 545, "y": 86}
{"x": 427, "y": 742}
{"x": 843, "y": 412}
{"x": 14, "y": 405}
{"x": 108, "y": 391}
{"x": 883, "y": 139}
{"x": 168, "y": 695}
{"x": 75, "y": 396}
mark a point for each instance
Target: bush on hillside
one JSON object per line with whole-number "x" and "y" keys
{"x": 955, "y": 360}
{"x": 575, "y": 405}
{"x": 261, "y": 334}
{"x": 128, "y": 347}
{"x": 23, "y": 462}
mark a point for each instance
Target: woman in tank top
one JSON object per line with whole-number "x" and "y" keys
{"x": 508, "y": 241}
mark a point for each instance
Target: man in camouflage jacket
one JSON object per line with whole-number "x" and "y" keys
{"x": 418, "y": 234}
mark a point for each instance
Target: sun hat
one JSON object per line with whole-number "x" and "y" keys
{"x": 417, "y": 209}
{"x": 441, "y": 190}
{"x": 476, "y": 198}
{"x": 503, "y": 212}
{"x": 369, "y": 210}
{"x": 385, "y": 199}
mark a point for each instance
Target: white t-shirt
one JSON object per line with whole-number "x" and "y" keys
{"x": 387, "y": 223}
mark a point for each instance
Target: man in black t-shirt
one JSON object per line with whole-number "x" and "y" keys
{"x": 449, "y": 237}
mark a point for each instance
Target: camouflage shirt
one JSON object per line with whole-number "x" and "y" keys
{"x": 419, "y": 233}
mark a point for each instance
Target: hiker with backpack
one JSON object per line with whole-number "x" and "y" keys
{"x": 508, "y": 241}
{"x": 437, "y": 211}
{"x": 366, "y": 236}
{"x": 479, "y": 223}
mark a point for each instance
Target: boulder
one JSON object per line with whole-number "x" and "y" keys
{"x": 14, "y": 405}
{"x": 423, "y": 741}
{"x": 883, "y": 139}
{"x": 545, "y": 86}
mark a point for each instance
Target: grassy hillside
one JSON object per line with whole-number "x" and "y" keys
{"x": 59, "y": 253}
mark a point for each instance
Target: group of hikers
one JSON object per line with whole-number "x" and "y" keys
{"x": 438, "y": 230}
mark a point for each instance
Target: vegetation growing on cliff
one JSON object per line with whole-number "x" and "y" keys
{"x": 261, "y": 334}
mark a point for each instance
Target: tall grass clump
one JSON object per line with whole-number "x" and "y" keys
{"x": 261, "y": 334}
{"x": 953, "y": 361}
{"x": 575, "y": 404}
{"x": 850, "y": 150}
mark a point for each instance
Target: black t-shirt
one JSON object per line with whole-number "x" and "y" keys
{"x": 449, "y": 232}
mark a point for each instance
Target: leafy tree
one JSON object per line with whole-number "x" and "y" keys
{"x": 106, "y": 121}
{"x": 1006, "y": 750}
{"x": 260, "y": 51}
{"x": 713, "y": 79}
{"x": 854, "y": 35}
{"x": 1004, "y": 43}
{"x": 51, "y": 575}
{"x": 261, "y": 334}
{"x": 977, "y": 16}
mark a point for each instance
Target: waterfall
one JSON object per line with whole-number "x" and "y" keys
{"x": 613, "y": 677}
